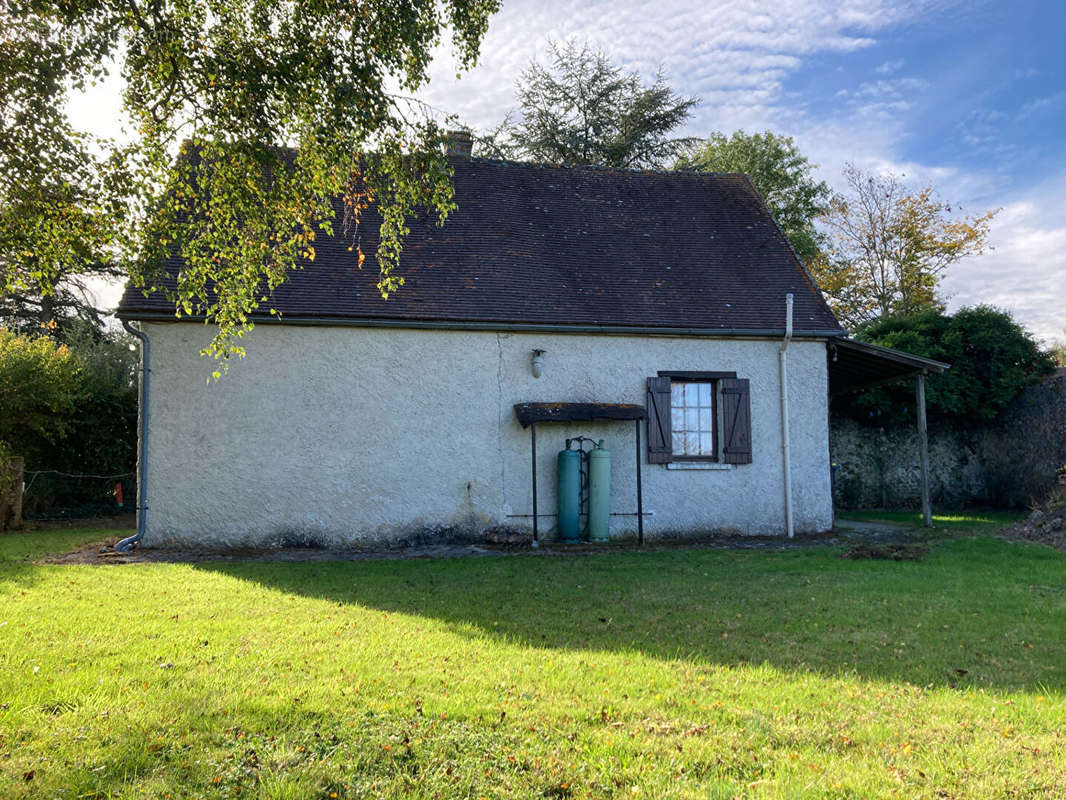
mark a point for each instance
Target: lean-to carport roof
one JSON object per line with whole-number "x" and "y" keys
{"x": 859, "y": 365}
{"x": 532, "y": 246}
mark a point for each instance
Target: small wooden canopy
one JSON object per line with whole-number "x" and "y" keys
{"x": 528, "y": 413}
{"x": 859, "y": 365}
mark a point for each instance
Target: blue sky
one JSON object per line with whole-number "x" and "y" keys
{"x": 969, "y": 96}
{"x": 977, "y": 86}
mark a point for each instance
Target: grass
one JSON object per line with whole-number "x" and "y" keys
{"x": 684, "y": 674}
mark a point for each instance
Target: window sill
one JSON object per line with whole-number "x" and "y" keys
{"x": 698, "y": 465}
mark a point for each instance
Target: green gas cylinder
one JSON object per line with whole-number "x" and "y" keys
{"x": 568, "y": 494}
{"x": 599, "y": 493}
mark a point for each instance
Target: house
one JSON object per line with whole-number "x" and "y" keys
{"x": 578, "y": 296}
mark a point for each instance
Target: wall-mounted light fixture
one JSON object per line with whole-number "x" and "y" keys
{"x": 538, "y": 362}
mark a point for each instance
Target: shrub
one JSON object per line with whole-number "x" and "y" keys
{"x": 70, "y": 410}
{"x": 992, "y": 359}
{"x": 40, "y": 384}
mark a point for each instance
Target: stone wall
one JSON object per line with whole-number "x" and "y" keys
{"x": 1010, "y": 463}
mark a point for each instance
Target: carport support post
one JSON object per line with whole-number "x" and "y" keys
{"x": 923, "y": 449}
{"x": 640, "y": 492}
{"x": 533, "y": 451}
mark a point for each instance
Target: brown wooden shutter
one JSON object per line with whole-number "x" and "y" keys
{"x": 736, "y": 421}
{"x": 660, "y": 438}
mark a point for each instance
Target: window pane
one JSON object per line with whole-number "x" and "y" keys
{"x": 705, "y": 419}
{"x": 692, "y": 418}
{"x": 692, "y": 394}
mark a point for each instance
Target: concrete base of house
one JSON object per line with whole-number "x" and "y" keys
{"x": 430, "y": 536}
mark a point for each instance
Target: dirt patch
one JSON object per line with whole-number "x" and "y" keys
{"x": 93, "y": 553}
{"x": 103, "y": 553}
{"x": 1047, "y": 523}
{"x": 893, "y": 551}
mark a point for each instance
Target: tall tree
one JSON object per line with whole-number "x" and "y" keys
{"x": 582, "y": 109}
{"x": 889, "y": 247}
{"x": 283, "y": 107}
{"x": 1058, "y": 351}
{"x": 56, "y": 237}
{"x": 779, "y": 171}
{"x": 64, "y": 196}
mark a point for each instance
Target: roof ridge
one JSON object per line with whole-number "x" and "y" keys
{"x": 189, "y": 148}
{"x": 510, "y": 162}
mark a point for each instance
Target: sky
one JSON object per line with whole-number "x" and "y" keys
{"x": 968, "y": 96}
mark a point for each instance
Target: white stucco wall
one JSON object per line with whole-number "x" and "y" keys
{"x": 336, "y": 435}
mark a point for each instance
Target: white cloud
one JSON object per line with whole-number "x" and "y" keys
{"x": 1026, "y": 272}
{"x": 735, "y": 55}
{"x": 892, "y": 87}
{"x": 1041, "y": 104}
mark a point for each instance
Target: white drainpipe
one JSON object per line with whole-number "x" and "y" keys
{"x": 786, "y": 453}
{"x": 130, "y": 542}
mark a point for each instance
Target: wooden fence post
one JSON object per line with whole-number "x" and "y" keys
{"x": 12, "y": 471}
{"x": 923, "y": 450}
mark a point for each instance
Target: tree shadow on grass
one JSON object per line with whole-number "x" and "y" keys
{"x": 975, "y": 613}
{"x": 20, "y": 549}
{"x": 16, "y": 576}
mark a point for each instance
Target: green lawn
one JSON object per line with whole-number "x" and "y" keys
{"x": 687, "y": 674}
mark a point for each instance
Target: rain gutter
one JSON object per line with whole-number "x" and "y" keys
{"x": 535, "y": 327}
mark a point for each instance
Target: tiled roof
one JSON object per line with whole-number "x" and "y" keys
{"x": 534, "y": 244}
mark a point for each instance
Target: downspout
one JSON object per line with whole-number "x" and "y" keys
{"x": 786, "y": 453}
{"x": 130, "y": 542}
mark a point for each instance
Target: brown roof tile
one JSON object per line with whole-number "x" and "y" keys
{"x": 534, "y": 244}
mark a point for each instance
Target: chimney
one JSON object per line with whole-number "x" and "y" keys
{"x": 460, "y": 144}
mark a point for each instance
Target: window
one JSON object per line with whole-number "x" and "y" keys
{"x": 699, "y": 416}
{"x": 692, "y": 419}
